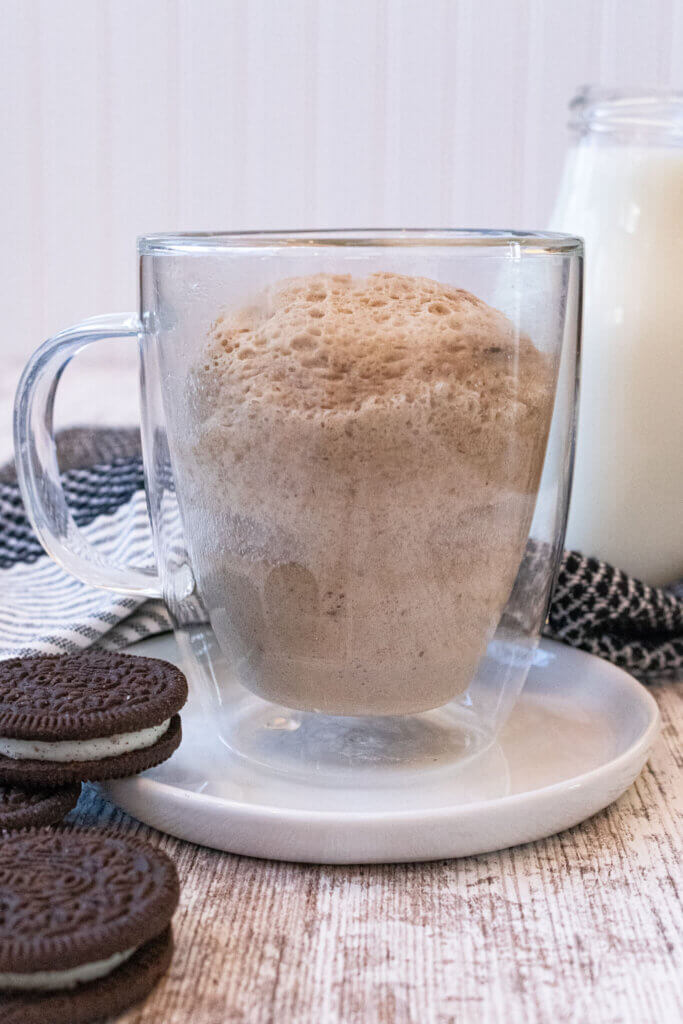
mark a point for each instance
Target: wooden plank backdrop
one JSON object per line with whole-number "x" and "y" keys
{"x": 121, "y": 117}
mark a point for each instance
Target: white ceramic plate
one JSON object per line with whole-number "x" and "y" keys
{"x": 577, "y": 739}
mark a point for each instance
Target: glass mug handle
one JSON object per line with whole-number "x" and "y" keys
{"x": 36, "y": 459}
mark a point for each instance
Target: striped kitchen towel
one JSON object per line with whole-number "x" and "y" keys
{"x": 45, "y": 610}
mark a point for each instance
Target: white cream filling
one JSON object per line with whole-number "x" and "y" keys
{"x": 64, "y": 979}
{"x": 82, "y": 750}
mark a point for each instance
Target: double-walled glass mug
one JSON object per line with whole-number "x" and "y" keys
{"x": 358, "y": 450}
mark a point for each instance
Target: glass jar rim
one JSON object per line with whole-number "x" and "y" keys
{"x": 639, "y": 111}
{"x": 530, "y": 242}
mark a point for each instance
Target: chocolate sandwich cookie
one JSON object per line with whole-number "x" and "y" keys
{"x": 84, "y": 928}
{"x": 79, "y": 717}
{"x": 29, "y": 808}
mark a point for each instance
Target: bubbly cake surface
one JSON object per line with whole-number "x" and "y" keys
{"x": 337, "y": 348}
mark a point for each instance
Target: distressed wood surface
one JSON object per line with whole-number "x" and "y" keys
{"x": 584, "y": 927}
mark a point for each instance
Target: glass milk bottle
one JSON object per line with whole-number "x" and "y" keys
{"x": 622, "y": 190}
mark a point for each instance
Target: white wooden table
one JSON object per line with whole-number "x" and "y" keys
{"x": 584, "y": 927}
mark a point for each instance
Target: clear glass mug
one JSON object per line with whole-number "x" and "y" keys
{"x": 358, "y": 450}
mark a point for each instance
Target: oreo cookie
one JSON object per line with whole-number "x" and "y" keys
{"x": 84, "y": 924}
{"x": 29, "y": 808}
{"x": 86, "y": 717}
{"x": 97, "y": 1000}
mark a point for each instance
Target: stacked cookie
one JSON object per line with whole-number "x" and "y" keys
{"x": 76, "y": 718}
{"x": 84, "y": 924}
{"x": 26, "y": 808}
{"x": 84, "y": 914}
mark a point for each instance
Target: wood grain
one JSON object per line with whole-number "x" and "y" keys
{"x": 584, "y": 927}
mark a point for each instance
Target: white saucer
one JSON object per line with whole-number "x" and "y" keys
{"x": 576, "y": 740}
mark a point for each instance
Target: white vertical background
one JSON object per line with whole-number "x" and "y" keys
{"x": 119, "y": 117}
